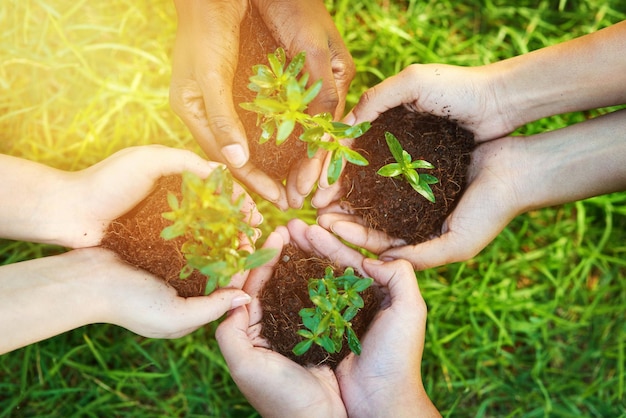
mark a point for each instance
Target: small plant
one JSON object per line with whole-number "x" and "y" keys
{"x": 408, "y": 168}
{"x": 212, "y": 224}
{"x": 337, "y": 300}
{"x": 280, "y": 103}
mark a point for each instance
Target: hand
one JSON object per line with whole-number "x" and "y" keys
{"x": 146, "y": 305}
{"x": 392, "y": 351}
{"x": 466, "y": 95}
{"x": 213, "y": 28}
{"x": 367, "y": 382}
{"x": 261, "y": 373}
{"x": 109, "y": 189}
{"x": 44, "y": 297}
{"x": 491, "y": 200}
{"x": 327, "y": 58}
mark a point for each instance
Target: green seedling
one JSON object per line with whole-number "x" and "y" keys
{"x": 406, "y": 167}
{"x": 212, "y": 224}
{"x": 337, "y": 300}
{"x": 281, "y": 101}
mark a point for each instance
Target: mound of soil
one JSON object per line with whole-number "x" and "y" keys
{"x": 286, "y": 293}
{"x": 256, "y": 42}
{"x": 136, "y": 238}
{"x": 391, "y": 205}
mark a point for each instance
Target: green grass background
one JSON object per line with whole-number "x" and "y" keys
{"x": 534, "y": 326}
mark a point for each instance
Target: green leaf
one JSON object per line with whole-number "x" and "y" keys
{"x": 268, "y": 129}
{"x": 311, "y": 322}
{"x": 297, "y": 63}
{"x": 390, "y": 170}
{"x": 313, "y": 134}
{"x": 305, "y": 333}
{"x": 277, "y": 61}
{"x": 334, "y": 168}
{"x": 394, "y": 146}
{"x": 350, "y": 313}
{"x": 425, "y": 191}
{"x": 259, "y": 257}
{"x": 354, "y": 157}
{"x": 353, "y": 342}
{"x": 421, "y": 164}
{"x": 172, "y": 201}
{"x": 412, "y": 176}
{"x": 327, "y": 343}
{"x": 362, "y": 284}
{"x": 322, "y": 302}
{"x": 358, "y": 129}
{"x": 428, "y": 179}
{"x": 312, "y": 92}
{"x": 302, "y": 347}
{"x": 285, "y": 129}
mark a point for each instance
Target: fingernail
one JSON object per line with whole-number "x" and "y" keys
{"x": 374, "y": 261}
{"x": 235, "y": 155}
{"x": 240, "y": 301}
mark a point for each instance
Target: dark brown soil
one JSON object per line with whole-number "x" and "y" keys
{"x": 392, "y": 205}
{"x": 255, "y": 43}
{"x": 286, "y": 293}
{"x": 136, "y": 238}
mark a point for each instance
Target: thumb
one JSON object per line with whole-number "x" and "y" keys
{"x": 209, "y": 308}
{"x": 231, "y": 335}
{"x": 398, "y": 276}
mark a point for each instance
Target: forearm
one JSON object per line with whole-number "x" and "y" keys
{"x": 585, "y": 73}
{"x": 45, "y": 297}
{"x": 581, "y": 161}
{"x": 31, "y": 196}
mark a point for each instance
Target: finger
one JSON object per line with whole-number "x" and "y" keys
{"x": 448, "y": 248}
{"x": 325, "y": 196}
{"x": 398, "y": 276}
{"x": 198, "y": 311}
{"x": 332, "y": 214}
{"x": 294, "y": 197}
{"x": 259, "y": 182}
{"x": 328, "y": 246}
{"x": 343, "y": 69}
{"x": 232, "y": 337}
{"x": 361, "y": 236}
{"x": 258, "y": 277}
{"x": 147, "y": 163}
{"x": 391, "y": 92}
{"x": 215, "y": 72}
{"x": 309, "y": 172}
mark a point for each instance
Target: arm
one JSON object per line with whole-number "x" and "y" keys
{"x": 495, "y": 99}
{"x": 45, "y": 297}
{"x": 585, "y": 73}
{"x": 73, "y": 209}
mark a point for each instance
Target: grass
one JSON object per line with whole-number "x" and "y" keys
{"x": 534, "y": 326}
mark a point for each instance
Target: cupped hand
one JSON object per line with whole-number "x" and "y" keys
{"x": 261, "y": 373}
{"x": 392, "y": 350}
{"x": 109, "y": 189}
{"x": 204, "y": 62}
{"x": 145, "y": 304}
{"x": 491, "y": 200}
{"x": 327, "y": 59}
